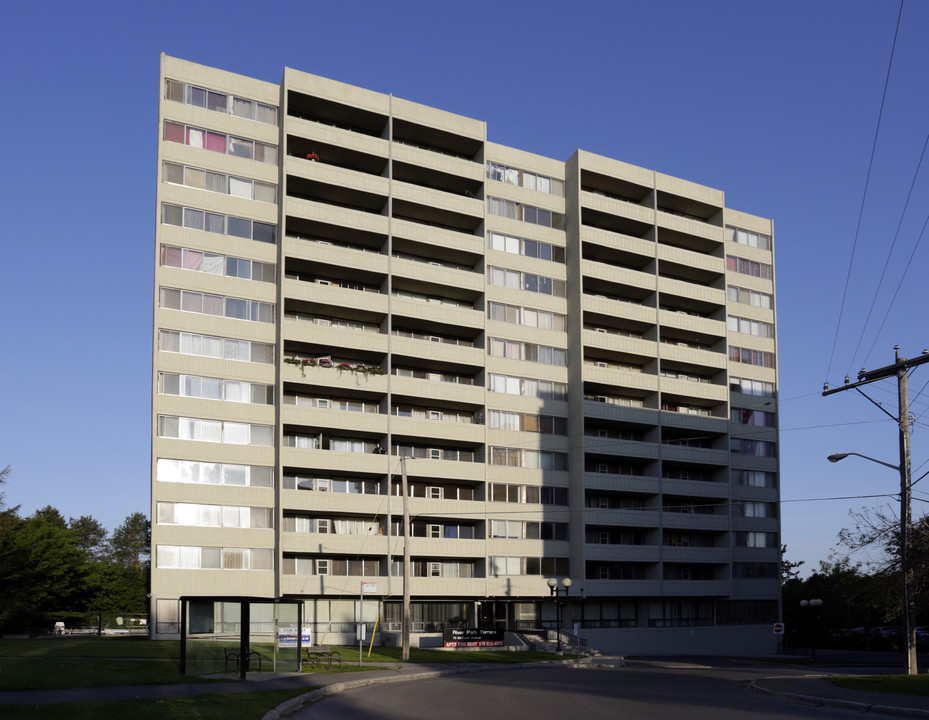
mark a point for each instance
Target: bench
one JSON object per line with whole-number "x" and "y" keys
{"x": 318, "y": 656}
{"x": 232, "y": 656}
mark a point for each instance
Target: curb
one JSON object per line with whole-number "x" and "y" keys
{"x": 294, "y": 705}
{"x": 814, "y": 700}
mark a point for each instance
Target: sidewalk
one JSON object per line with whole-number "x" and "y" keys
{"x": 816, "y": 690}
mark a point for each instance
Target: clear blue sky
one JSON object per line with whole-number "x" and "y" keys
{"x": 775, "y": 103}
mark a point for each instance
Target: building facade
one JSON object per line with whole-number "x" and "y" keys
{"x": 576, "y": 359}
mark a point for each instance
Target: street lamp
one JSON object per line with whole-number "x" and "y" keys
{"x": 555, "y": 592}
{"x": 906, "y": 523}
{"x": 814, "y": 603}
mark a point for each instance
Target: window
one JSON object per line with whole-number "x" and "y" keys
{"x": 500, "y": 565}
{"x": 526, "y": 213}
{"x": 756, "y": 539}
{"x": 749, "y": 267}
{"x": 219, "y": 102}
{"x": 219, "y": 142}
{"x": 758, "y": 418}
{"x": 506, "y": 529}
{"x": 212, "y": 558}
{"x": 749, "y": 297}
{"x": 516, "y": 457}
{"x": 751, "y": 327}
{"x": 215, "y": 431}
{"x": 757, "y": 509}
{"x": 515, "y": 350}
{"x": 756, "y": 448}
{"x": 215, "y": 389}
{"x": 528, "y": 248}
{"x": 751, "y": 387}
{"x": 196, "y": 515}
{"x": 206, "y": 473}
{"x": 748, "y": 356}
{"x": 207, "y": 304}
{"x": 753, "y": 478}
{"x": 216, "y": 223}
{"x": 217, "y": 182}
{"x": 532, "y": 181}
{"x": 746, "y": 237}
{"x": 516, "y": 280}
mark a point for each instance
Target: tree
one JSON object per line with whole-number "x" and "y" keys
{"x": 789, "y": 570}
{"x": 91, "y": 536}
{"x": 132, "y": 541}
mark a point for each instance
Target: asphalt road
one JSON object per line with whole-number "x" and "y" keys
{"x": 562, "y": 693}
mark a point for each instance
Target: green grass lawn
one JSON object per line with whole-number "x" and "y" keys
{"x": 895, "y": 684}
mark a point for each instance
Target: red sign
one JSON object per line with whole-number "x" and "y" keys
{"x": 778, "y": 628}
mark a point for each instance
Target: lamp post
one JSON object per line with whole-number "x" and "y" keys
{"x": 814, "y": 603}
{"x": 556, "y": 592}
{"x": 906, "y": 524}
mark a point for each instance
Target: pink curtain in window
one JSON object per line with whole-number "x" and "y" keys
{"x": 216, "y": 142}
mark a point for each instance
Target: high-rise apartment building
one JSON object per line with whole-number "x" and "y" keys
{"x": 576, "y": 358}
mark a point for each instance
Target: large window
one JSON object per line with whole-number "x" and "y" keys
{"x": 199, "y": 515}
{"x": 220, "y": 102}
{"x": 753, "y": 478}
{"x": 746, "y": 237}
{"x": 760, "y": 418}
{"x": 522, "y": 178}
{"x": 219, "y": 183}
{"x": 516, "y": 280}
{"x": 518, "y": 457}
{"x": 215, "y": 264}
{"x": 213, "y": 558}
{"x": 749, "y": 267}
{"x": 207, "y": 473}
{"x": 215, "y": 347}
{"x": 528, "y": 387}
{"x": 756, "y": 448}
{"x": 526, "y": 213}
{"x": 528, "y": 248}
{"x": 217, "y": 431}
{"x": 527, "y": 422}
{"x": 215, "y": 389}
{"x": 530, "y": 352}
{"x": 751, "y": 327}
{"x": 220, "y": 142}
{"x": 749, "y": 297}
{"x": 206, "y": 304}
{"x": 756, "y": 539}
{"x": 529, "y": 317}
{"x": 216, "y": 223}
{"x": 751, "y": 357}
{"x": 751, "y": 387}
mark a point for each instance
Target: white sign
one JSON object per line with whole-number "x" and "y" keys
{"x": 287, "y": 637}
{"x": 369, "y": 588}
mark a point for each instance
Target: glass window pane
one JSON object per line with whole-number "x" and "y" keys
{"x": 240, "y": 227}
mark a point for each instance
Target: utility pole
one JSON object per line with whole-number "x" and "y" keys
{"x": 899, "y": 370}
{"x": 405, "y": 630}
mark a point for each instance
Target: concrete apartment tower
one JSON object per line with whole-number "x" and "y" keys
{"x": 577, "y": 358}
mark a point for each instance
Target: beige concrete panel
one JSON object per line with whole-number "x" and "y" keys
{"x": 526, "y": 586}
{"x": 548, "y": 303}
{"x": 524, "y": 368}
{"x": 220, "y": 244}
{"x": 691, "y": 290}
{"x": 437, "y": 161}
{"x": 334, "y": 420}
{"x": 753, "y": 223}
{"x": 513, "y": 261}
{"x": 624, "y": 553}
{"x": 688, "y": 388}
{"x": 215, "y": 410}
{"x": 632, "y": 311}
{"x": 338, "y": 92}
{"x": 453, "y": 588}
{"x": 753, "y": 372}
{"x": 608, "y": 411}
{"x": 214, "y": 494}
{"x": 524, "y": 160}
{"x": 215, "y": 537}
{"x": 217, "y": 285}
{"x": 620, "y": 208}
{"x": 518, "y": 403}
{"x": 251, "y": 583}
{"x": 751, "y": 312}
{"x": 742, "y": 554}
{"x": 695, "y": 422}
{"x": 528, "y": 440}
{"x": 694, "y": 488}
{"x": 321, "y": 503}
{"x": 211, "y": 452}
{"x": 328, "y": 461}
{"x": 429, "y": 390}
{"x": 338, "y": 341}
{"x": 468, "y": 510}
{"x": 627, "y": 243}
{"x": 626, "y": 483}
{"x": 749, "y": 282}
{"x": 683, "y": 321}
{"x": 750, "y": 253}
{"x": 621, "y": 379}
{"x": 615, "y": 168}
{"x": 754, "y": 494}
{"x": 685, "y": 521}
{"x": 758, "y": 524}
{"x": 210, "y": 77}
{"x": 755, "y": 589}
{"x": 529, "y": 476}
{"x": 634, "y": 518}
{"x": 690, "y": 227}
{"x": 440, "y": 432}
{"x": 216, "y": 162}
{"x": 439, "y": 119}
{"x": 751, "y": 342}
{"x": 335, "y": 255}
{"x": 521, "y": 229}
{"x": 618, "y": 275}
{"x": 335, "y": 296}
{"x": 623, "y": 588}
{"x": 697, "y": 455}
{"x": 305, "y": 584}
{"x": 464, "y": 279}
{"x": 441, "y": 548}
{"x": 614, "y": 446}
{"x": 335, "y": 215}
{"x": 696, "y": 588}
{"x": 437, "y": 313}
{"x": 527, "y": 548}
{"x": 331, "y": 135}
{"x": 438, "y": 199}
{"x": 329, "y": 377}
{"x": 340, "y": 177}
{"x": 693, "y": 356}
{"x": 695, "y": 554}
{"x": 688, "y": 189}
{"x": 437, "y": 351}
{"x": 329, "y": 544}
{"x": 439, "y": 237}
{"x": 442, "y": 469}
{"x": 212, "y": 325}
{"x": 692, "y": 259}
{"x": 526, "y": 196}
{"x": 525, "y": 333}
{"x": 619, "y": 343}
{"x": 211, "y": 367}
{"x": 749, "y": 462}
